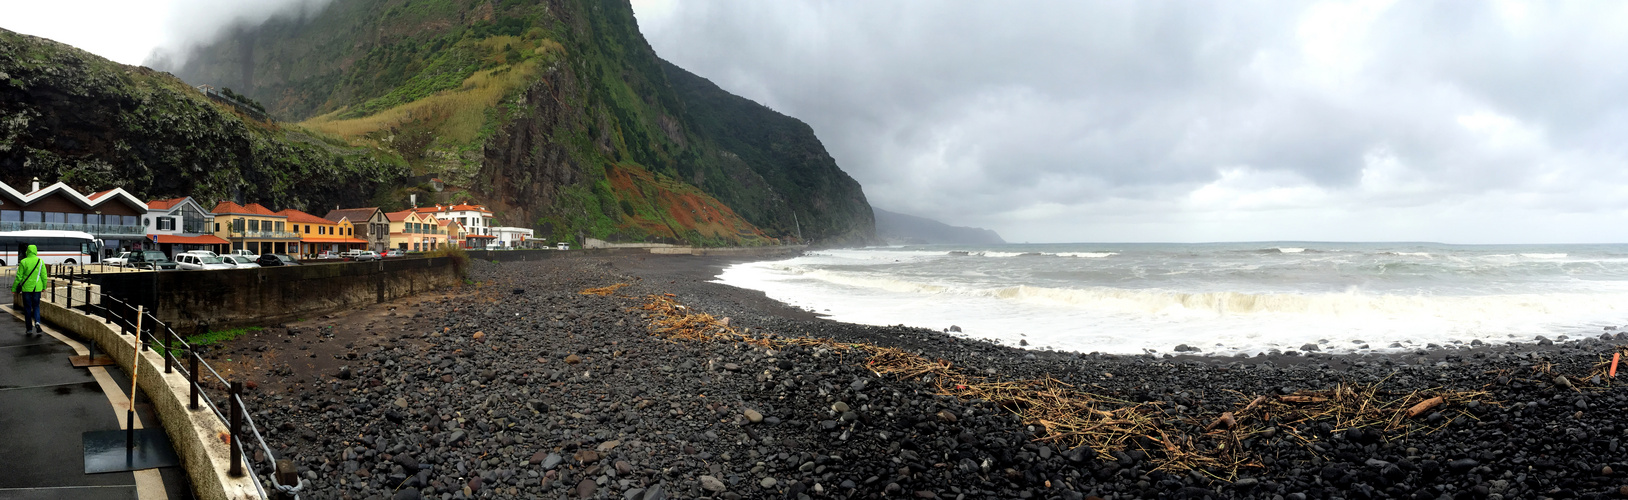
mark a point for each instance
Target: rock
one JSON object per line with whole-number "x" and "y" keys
{"x": 457, "y": 435}
{"x": 946, "y": 416}
{"x": 955, "y": 328}
{"x": 732, "y": 367}
{"x": 1623, "y": 491}
{"x": 753, "y": 416}
{"x": 1185, "y": 348}
{"x": 839, "y": 407}
{"x": 1023, "y": 342}
{"x": 767, "y": 482}
{"x": 585, "y": 456}
{"x": 586, "y": 488}
{"x": 401, "y": 402}
{"x": 1309, "y": 347}
{"x": 344, "y": 373}
{"x": 1606, "y": 471}
{"x": 608, "y": 446}
{"x": 1564, "y": 382}
{"x": 551, "y": 460}
{"x": 408, "y": 494}
{"x": 573, "y": 359}
{"x": 712, "y": 484}
{"x": 478, "y": 335}
{"x": 623, "y": 467}
{"x": 1462, "y": 465}
{"x": 925, "y": 494}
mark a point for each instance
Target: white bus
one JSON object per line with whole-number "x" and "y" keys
{"x": 55, "y": 247}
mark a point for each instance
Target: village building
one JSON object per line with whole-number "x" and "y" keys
{"x": 112, "y": 216}
{"x": 254, "y": 228}
{"x": 476, "y": 221}
{"x": 177, "y": 225}
{"x": 371, "y": 226}
{"x": 318, "y": 234}
{"x": 415, "y": 232}
{"x": 512, "y": 237}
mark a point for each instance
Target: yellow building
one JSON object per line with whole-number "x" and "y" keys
{"x": 319, "y": 235}
{"x": 415, "y": 232}
{"x": 255, "y": 228}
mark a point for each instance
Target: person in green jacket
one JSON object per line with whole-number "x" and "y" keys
{"x": 30, "y": 282}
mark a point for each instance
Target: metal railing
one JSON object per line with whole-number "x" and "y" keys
{"x": 114, "y": 311}
{"x": 62, "y": 226}
{"x": 261, "y": 234}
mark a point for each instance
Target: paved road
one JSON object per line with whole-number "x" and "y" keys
{"x": 46, "y": 406}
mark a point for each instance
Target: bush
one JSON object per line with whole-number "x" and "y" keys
{"x": 460, "y": 257}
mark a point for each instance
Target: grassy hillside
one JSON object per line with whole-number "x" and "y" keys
{"x": 67, "y": 115}
{"x": 533, "y": 108}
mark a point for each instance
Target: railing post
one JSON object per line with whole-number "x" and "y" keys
{"x": 169, "y": 356}
{"x": 237, "y": 431}
{"x": 193, "y": 372}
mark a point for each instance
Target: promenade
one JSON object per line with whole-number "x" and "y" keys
{"x": 46, "y": 405}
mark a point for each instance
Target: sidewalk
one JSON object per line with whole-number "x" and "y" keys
{"x": 46, "y": 405}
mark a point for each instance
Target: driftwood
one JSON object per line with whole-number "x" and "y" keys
{"x": 1424, "y": 406}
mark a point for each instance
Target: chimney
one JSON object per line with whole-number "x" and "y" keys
{"x": 36, "y": 185}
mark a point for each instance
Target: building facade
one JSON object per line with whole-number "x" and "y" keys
{"x": 512, "y": 237}
{"x": 112, "y": 216}
{"x": 180, "y": 224}
{"x": 318, "y": 234}
{"x": 415, "y": 232}
{"x": 476, "y": 221}
{"x": 371, "y": 225}
{"x": 254, "y": 228}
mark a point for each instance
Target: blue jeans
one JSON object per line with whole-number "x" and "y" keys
{"x": 31, "y": 309}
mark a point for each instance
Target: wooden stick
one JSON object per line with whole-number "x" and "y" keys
{"x": 1424, "y": 406}
{"x": 135, "y": 355}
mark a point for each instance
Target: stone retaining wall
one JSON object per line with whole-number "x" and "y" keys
{"x": 192, "y": 300}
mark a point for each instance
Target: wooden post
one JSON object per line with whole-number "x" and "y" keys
{"x": 287, "y": 475}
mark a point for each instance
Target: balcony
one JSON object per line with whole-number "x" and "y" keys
{"x": 96, "y": 229}
{"x": 263, "y": 235}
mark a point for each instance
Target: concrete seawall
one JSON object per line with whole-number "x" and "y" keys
{"x": 187, "y": 300}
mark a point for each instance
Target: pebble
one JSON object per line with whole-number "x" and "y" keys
{"x": 753, "y": 416}
{"x": 712, "y": 484}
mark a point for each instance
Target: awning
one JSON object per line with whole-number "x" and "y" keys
{"x": 479, "y": 236}
{"x": 207, "y": 239}
{"x": 333, "y": 240}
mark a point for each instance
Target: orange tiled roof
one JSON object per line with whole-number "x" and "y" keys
{"x": 398, "y": 216}
{"x": 302, "y": 217}
{"x": 227, "y": 207}
{"x": 98, "y": 194}
{"x": 164, "y": 204}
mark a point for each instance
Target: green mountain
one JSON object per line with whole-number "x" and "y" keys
{"x": 70, "y": 116}
{"x": 557, "y": 114}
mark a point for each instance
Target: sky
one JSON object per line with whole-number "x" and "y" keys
{"x": 1184, "y": 121}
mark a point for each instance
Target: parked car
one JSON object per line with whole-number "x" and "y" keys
{"x": 199, "y": 262}
{"x": 330, "y": 255}
{"x": 239, "y": 262}
{"x": 362, "y": 255}
{"x": 150, "y": 259}
{"x": 276, "y": 259}
{"x": 244, "y": 253}
{"x": 564, "y": 246}
{"x": 396, "y": 252}
{"x": 117, "y": 260}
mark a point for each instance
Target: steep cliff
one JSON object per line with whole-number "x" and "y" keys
{"x": 533, "y": 108}
{"x": 70, "y": 116}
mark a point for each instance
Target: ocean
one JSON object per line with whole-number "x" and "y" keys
{"x": 1221, "y": 298}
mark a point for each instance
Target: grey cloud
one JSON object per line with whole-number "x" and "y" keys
{"x": 201, "y": 22}
{"x": 968, "y": 109}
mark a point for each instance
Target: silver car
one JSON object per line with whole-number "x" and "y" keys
{"x": 192, "y": 261}
{"x": 239, "y": 262}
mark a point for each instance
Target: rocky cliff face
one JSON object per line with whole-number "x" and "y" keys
{"x": 563, "y": 93}
{"x": 70, "y": 116}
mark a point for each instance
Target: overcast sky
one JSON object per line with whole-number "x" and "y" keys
{"x": 1472, "y": 122}
{"x": 1482, "y": 122}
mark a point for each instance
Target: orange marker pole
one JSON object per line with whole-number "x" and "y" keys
{"x": 1614, "y": 358}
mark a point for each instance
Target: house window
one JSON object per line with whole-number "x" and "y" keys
{"x": 166, "y": 223}
{"x": 279, "y": 227}
{"x": 217, "y": 227}
{"x": 76, "y": 218}
{"x": 254, "y": 225}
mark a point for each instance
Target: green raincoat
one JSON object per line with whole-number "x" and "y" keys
{"x": 31, "y": 273}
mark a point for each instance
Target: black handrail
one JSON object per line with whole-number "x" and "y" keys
{"x": 237, "y": 414}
